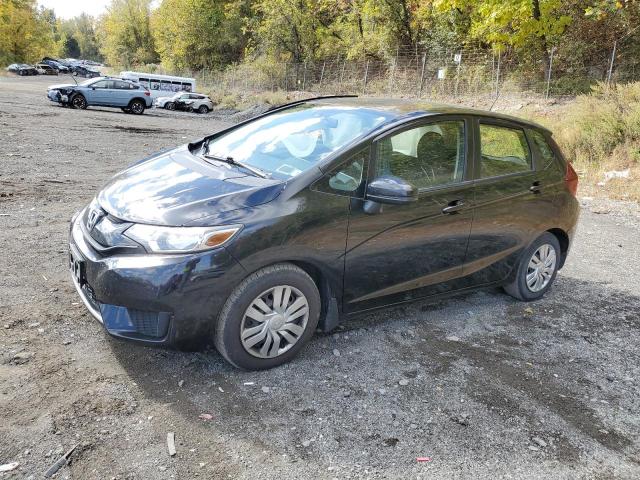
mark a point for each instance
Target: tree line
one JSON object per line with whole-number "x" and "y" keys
{"x": 211, "y": 34}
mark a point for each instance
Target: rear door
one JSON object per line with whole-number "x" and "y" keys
{"x": 510, "y": 204}
{"x": 403, "y": 252}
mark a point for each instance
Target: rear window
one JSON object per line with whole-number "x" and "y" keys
{"x": 504, "y": 151}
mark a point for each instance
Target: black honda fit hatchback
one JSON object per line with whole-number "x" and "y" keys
{"x": 255, "y": 236}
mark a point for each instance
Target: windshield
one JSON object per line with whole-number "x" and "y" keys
{"x": 288, "y": 143}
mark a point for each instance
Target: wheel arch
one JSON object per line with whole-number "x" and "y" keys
{"x": 329, "y": 286}
{"x": 563, "y": 240}
{"x": 137, "y": 98}
{"x": 329, "y": 300}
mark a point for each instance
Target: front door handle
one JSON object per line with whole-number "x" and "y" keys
{"x": 535, "y": 187}
{"x": 453, "y": 207}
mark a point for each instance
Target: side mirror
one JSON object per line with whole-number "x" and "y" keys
{"x": 390, "y": 189}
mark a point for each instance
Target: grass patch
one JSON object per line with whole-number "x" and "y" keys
{"x": 599, "y": 132}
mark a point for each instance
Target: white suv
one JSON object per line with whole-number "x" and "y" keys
{"x": 191, "y": 102}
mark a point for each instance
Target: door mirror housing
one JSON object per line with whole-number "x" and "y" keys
{"x": 391, "y": 189}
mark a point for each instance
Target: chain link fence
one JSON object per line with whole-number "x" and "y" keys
{"x": 443, "y": 75}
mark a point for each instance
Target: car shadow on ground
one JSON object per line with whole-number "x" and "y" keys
{"x": 495, "y": 353}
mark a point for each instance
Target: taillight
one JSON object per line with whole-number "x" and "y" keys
{"x": 571, "y": 180}
{"x": 147, "y": 93}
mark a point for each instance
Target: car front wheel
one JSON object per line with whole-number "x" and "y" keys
{"x": 79, "y": 102}
{"x": 170, "y": 106}
{"x": 268, "y": 318}
{"x": 537, "y": 269}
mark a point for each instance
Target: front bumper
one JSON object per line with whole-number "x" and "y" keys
{"x": 154, "y": 299}
{"x": 57, "y": 96}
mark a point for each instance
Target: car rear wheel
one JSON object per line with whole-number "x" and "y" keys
{"x": 170, "y": 106}
{"x": 78, "y": 101}
{"x": 537, "y": 269}
{"x": 203, "y": 109}
{"x": 268, "y": 318}
{"x": 136, "y": 107}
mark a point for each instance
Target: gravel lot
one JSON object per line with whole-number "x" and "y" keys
{"x": 482, "y": 385}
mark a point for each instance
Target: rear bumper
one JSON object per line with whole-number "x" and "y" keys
{"x": 169, "y": 300}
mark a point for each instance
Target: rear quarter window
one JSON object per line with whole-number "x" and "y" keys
{"x": 547, "y": 154}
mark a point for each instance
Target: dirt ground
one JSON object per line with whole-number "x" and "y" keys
{"x": 482, "y": 385}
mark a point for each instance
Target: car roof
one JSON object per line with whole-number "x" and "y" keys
{"x": 411, "y": 108}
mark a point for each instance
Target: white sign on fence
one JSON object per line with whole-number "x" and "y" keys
{"x": 442, "y": 73}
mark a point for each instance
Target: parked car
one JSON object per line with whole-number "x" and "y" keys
{"x": 22, "y": 69}
{"x": 57, "y": 64}
{"x": 45, "y": 69}
{"x": 256, "y": 235}
{"x": 81, "y": 71}
{"x": 130, "y": 97}
{"x": 191, "y": 102}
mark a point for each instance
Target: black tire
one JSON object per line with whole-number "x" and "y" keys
{"x": 78, "y": 102}
{"x": 518, "y": 287}
{"x": 170, "y": 106}
{"x": 136, "y": 106}
{"x": 125, "y": 110}
{"x": 203, "y": 109}
{"x": 228, "y": 325}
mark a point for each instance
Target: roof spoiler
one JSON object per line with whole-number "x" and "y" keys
{"x": 303, "y": 100}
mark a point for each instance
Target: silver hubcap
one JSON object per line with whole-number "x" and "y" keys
{"x": 136, "y": 107}
{"x": 541, "y": 267}
{"x": 274, "y": 321}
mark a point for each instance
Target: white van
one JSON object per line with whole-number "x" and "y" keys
{"x": 161, "y": 85}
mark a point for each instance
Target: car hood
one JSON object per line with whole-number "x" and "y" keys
{"x": 177, "y": 188}
{"x": 61, "y": 85}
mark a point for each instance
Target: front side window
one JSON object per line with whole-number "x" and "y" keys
{"x": 102, "y": 84}
{"x": 426, "y": 156}
{"x": 504, "y": 151}
{"x": 289, "y": 142}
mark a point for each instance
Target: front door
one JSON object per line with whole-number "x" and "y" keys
{"x": 403, "y": 252}
{"x": 98, "y": 92}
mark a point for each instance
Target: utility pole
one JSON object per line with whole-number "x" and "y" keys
{"x": 458, "y": 60}
{"x": 613, "y": 57}
{"x": 424, "y": 61}
{"x": 553, "y": 49}
{"x": 366, "y": 74}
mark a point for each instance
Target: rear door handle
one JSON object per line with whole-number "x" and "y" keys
{"x": 453, "y": 207}
{"x": 535, "y": 187}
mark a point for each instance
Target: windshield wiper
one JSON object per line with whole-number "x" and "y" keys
{"x": 231, "y": 161}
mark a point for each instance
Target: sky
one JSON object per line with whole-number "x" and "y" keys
{"x": 71, "y": 8}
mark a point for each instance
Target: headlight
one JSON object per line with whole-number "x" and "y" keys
{"x": 181, "y": 239}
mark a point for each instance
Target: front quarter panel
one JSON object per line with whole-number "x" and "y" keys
{"x": 308, "y": 228}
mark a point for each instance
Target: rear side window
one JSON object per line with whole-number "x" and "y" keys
{"x": 549, "y": 158}
{"x": 504, "y": 151}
